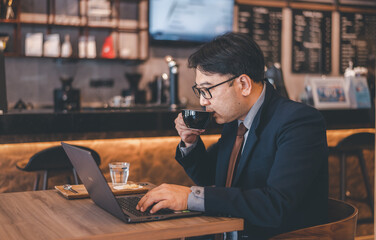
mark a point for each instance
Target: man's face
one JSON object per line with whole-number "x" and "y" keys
{"x": 225, "y": 101}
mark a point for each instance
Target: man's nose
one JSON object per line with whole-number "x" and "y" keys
{"x": 203, "y": 101}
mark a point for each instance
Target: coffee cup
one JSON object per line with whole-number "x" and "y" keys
{"x": 196, "y": 119}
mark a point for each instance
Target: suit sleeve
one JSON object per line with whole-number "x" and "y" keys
{"x": 199, "y": 164}
{"x": 301, "y": 153}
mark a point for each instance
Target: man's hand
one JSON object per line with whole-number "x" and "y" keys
{"x": 188, "y": 135}
{"x": 170, "y": 196}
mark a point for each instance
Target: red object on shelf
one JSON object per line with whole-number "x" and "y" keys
{"x": 108, "y": 48}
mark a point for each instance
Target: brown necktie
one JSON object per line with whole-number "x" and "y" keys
{"x": 235, "y": 154}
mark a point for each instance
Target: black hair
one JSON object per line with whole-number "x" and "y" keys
{"x": 231, "y": 53}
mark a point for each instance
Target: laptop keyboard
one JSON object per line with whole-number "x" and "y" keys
{"x": 129, "y": 205}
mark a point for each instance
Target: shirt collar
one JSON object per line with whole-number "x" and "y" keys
{"x": 254, "y": 109}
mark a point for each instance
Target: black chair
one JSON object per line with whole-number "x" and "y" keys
{"x": 51, "y": 159}
{"x": 274, "y": 75}
{"x": 341, "y": 224}
{"x": 354, "y": 145}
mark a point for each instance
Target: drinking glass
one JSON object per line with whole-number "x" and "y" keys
{"x": 119, "y": 173}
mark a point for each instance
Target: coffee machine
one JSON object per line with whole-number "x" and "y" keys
{"x": 137, "y": 96}
{"x": 67, "y": 98}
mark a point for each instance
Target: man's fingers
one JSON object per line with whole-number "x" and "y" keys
{"x": 149, "y": 199}
{"x": 141, "y": 202}
{"x": 179, "y": 120}
{"x": 158, "y": 206}
{"x": 147, "y": 203}
{"x": 191, "y": 131}
{"x": 185, "y": 132}
{"x": 181, "y": 125}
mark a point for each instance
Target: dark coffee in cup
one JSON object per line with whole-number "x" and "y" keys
{"x": 196, "y": 119}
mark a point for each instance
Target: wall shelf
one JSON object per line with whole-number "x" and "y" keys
{"x": 129, "y": 35}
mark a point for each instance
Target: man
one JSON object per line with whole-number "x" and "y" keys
{"x": 280, "y": 180}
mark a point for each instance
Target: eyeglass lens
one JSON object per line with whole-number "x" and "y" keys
{"x": 202, "y": 91}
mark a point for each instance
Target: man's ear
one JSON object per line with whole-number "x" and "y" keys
{"x": 246, "y": 84}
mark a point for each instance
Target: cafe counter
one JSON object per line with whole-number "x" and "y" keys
{"x": 46, "y": 125}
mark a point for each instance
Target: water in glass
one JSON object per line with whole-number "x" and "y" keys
{"x": 119, "y": 173}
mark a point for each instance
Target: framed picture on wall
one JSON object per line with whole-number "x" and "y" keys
{"x": 330, "y": 93}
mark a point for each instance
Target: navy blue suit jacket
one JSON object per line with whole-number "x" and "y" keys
{"x": 281, "y": 182}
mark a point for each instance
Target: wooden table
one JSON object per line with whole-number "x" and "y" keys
{"x": 47, "y": 215}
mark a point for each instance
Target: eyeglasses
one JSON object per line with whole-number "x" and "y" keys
{"x": 205, "y": 91}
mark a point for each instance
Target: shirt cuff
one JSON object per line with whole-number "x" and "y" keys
{"x": 186, "y": 150}
{"x": 196, "y": 199}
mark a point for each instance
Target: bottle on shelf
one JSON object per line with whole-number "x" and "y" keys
{"x": 82, "y": 47}
{"x": 9, "y": 10}
{"x": 108, "y": 50}
{"x": 91, "y": 47}
{"x": 51, "y": 46}
{"x": 66, "y": 47}
{"x": 87, "y": 47}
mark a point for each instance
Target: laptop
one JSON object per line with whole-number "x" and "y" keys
{"x": 123, "y": 207}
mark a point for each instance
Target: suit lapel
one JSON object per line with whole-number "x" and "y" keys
{"x": 224, "y": 152}
{"x": 252, "y": 135}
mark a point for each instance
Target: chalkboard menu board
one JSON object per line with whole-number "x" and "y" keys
{"x": 311, "y": 44}
{"x": 264, "y": 25}
{"x": 358, "y": 36}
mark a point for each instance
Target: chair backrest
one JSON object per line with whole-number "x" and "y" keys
{"x": 341, "y": 224}
{"x": 275, "y": 77}
{"x": 357, "y": 141}
{"x": 54, "y": 158}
